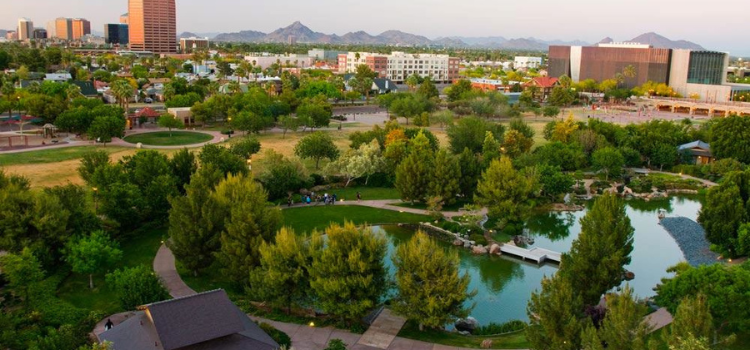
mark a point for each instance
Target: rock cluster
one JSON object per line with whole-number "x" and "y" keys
{"x": 691, "y": 238}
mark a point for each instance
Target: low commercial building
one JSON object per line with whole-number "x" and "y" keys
{"x": 526, "y": 62}
{"x": 189, "y": 45}
{"x": 182, "y": 114}
{"x": 293, "y": 60}
{"x": 399, "y": 65}
{"x": 325, "y": 55}
{"x": 700, "y": 74}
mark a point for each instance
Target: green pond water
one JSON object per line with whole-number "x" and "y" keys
{"x": 504, "y": 284}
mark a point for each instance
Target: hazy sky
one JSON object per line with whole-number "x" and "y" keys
{"x": 716, "y": 24}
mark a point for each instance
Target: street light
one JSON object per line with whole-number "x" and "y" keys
{"x": 96, "y": 205}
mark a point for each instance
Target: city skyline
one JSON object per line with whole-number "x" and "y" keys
{"x": 549, "y": 20}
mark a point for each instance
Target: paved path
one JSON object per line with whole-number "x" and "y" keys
{"x": 217, "y": 137}
{"x": 659, "y": 319}
{"x": 383, "y": 331}
{"x": 165, "y": 268}
{"x": 387, "y": 204}
{"x": 683, "y": 176}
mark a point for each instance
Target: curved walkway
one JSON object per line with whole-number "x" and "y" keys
{"x": 387, "y": 204}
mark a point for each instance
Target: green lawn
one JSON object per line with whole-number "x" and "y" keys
{"x": 138, "y": 250}
{"x": 307, "y": 219}
{"x": 510, "y": 341}
{"x": 52, "y": 155}
{"x": 451, "y": 207}
{"x": 350, "y": 194}
{"x": 163, "y": 138}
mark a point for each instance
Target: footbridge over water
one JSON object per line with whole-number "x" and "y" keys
{"x": 538, "y": 255}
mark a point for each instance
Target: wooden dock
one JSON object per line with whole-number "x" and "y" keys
{"x": 538, "y": 255}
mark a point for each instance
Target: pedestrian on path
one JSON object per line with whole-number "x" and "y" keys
{"x": 359, "y": 197}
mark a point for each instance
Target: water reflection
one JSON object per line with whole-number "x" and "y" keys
{"x": 555, "y": 226}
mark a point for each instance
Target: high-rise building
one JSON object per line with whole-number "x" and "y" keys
{"x": 116, "y": 33}
{"x": 124, "y": 19}
{"x": 81, "y": 27}
{"x": 11, "y": 35}
{"x": 64, "y": 28}
{"x": 51, "y": 29}
{"x": 40, "y": 33}
{"x": 25, "y": 29}
{"x": 153, "y": 25}
{"x": 188, "y": 45}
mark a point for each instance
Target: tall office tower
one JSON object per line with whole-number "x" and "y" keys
{"x": 64, "y": 28}
{"x": 116, "y": 33}
{"x": 81, "y": 27}
{"x": 153, "y": 25}
{"x": 51, "y": 33}
{"x": 25, "y": 29}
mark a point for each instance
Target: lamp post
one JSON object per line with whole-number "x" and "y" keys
{"x": 249, "y": 164}
{"x": 96, "y": 205}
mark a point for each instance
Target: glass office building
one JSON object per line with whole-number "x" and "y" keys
{"x": 706, "y": 68}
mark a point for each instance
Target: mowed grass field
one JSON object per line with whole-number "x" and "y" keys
{"x": 309, "y": 218}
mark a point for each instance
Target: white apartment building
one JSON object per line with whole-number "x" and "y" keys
{"x": 265, "y": 61}
{"x": 527, "y": 62}
{"x": 399, "y": 65}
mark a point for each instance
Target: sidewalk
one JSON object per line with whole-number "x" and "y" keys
{"x": 387, "y": 205}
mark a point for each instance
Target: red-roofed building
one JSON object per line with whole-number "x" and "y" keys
{"x": 148, "y": 113}
{"x": 543, "y": 85}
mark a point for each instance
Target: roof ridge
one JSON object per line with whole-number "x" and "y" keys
{"x": 180, "y": 298}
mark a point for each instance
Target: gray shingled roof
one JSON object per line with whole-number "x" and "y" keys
{"x": 194, "y": 319}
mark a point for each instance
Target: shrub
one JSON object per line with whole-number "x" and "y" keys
{"x": 494, "y": 328}
{"x": 478, "y": 238}
{"x": 278, "y": 336}
{"x": 336, "y": 344}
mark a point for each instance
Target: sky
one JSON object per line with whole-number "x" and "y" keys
{"x": 716, "y": 25}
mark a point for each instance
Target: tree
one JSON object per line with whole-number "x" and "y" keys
{"x": 731, "y": 138}
{"x": 136, "y": 286}
{"x": 622, "y": 328}
{"x": 596, "y": 261}
{"x": 249, "y": 222}
{"x": 430, "y": 289}
{"x": 283, "y": 278}
{"x": 92, "y": 254}
{"x": 554, "y": 311}
{"x": 554, "y": 182}
{"x": 664, "y": 154}
{"x": 288, "y": 123}
{"x": 470, "y": 133}
{"x": 505, "y": 191}
{"x": 412, "y": 81}
{"x": 246, "y": 147}
{"x": 348, "y": 275}
{"x": 609, "y": 160}
{"x": 248, "y": 121}
{"x": 104, "y": 128}
{"x": 516, "y": 144}
{"x": 317, "y": 146}
{"x": 22, "y": 271}
{"x": 414, "y": 172}
{"x": 428, "y": 89}
{"x": 170, "y": 122}
{"x": 444, "y": 117}
{"x": 183, "y": 165}
{"x": 725, "y": 288}
{"x": 722, "y": 215}
{"x": 196, "y": 220}
{"x": 444, "y": 178}
{"x": 314, "y": 115}
{"x": 362, "y": 162}
{"x": 471, "y": 170}
{"x": 223, "y": 159}
{"x": 91, "y": 161}
{"x": 563, "y": 131}
{"x": 561, "y": 97}
{"x": 123, "y": 92}
{"x": 693, "y": 318}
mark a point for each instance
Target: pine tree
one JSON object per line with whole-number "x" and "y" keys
{"x": 693, "y": 318}
{"x": 283, "y": 278}
{"x": 444, "y": 182}
{"x": 413, "y": 174}
{"x": 554, "y": 322}
{"x": 622, "y": 328}
{"x": 490, "y": 149}
{"x": 470, "y": 172}
{"x": 505, "y": 191}
{"x": 196, "y": 220}
{"x": 596, "y": 261}
{"x": 348, "y": 275}
{"x": 430, "y": 289}
{"x": 249, "y": 222}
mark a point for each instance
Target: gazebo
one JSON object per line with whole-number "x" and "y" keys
{"x": 147, "y": 112}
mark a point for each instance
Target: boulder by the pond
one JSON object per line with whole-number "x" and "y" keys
{"x": 495, "y": 249}
{"x": 468, "y": 324}
{"x": 479, "y": 250}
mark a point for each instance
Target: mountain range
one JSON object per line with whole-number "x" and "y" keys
{"x": 303, "y": 34}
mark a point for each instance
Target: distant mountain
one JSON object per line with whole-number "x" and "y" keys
{"x": 485, "y": 41}
{"x": 185, "y": 35}
{"x": 301, "y": 33}
{"x": 359, "y": 37}
{"x": 659, "y": 41}
{"x": 524, "y": 45}
{"x": 606, "y": 40}
{"x": 242, "y": 36}
{"x": 401, "y": 38}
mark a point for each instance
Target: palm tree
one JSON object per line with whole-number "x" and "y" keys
{"x": 412, "y": 81}
{"x": 123, "y": 92}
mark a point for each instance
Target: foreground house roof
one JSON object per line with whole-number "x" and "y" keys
{"x": 203, "y": 321}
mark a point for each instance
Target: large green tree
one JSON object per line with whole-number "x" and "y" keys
{"x": 413, "y": 174}
{"x": 731, "y": 138}
{"x": 348, "y": 275}
{"x": 470, "y": 133}
{"x": 693, "y": 318}
{"x": 721, "y": 216}
{"x": 196, "y": 220}
{"x": 104, "y": 128}
{"x": 622, "y": 328}
{"x": 444, "y": 179}
{"x": 283, "y": 278}
{"x": 505, "y": 191}
{"x": 554, "y": 316}
{"x": 93, "y": 254}
{"x": 596, "y": 261}
{"x": 317, "y": 146}
{"x": 22, "y": 271}
{"x": 249, "y": 222}
{"x": 431, "y": 291}
{"x": 609, "y": 160}
{"x": 136, "y": 286}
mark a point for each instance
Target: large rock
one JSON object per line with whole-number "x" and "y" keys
{"x": 458, "y": 242}
{"x": 468, "y": 324}
{"x": 479, "y": 250}
{"x": 495, "y": 249}
{"x": 467, "y": 244}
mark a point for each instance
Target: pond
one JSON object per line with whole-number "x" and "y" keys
{"x": 504, "y": 285}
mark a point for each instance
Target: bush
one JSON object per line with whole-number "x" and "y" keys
{"x": 478, "y": 238}
{"x": 336, "y": 344}
{"x": 494, "y": 328}
{"x": 317, "y": 180}
{"x": 278, "y": 336}
{"x": 641, "y": 185}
